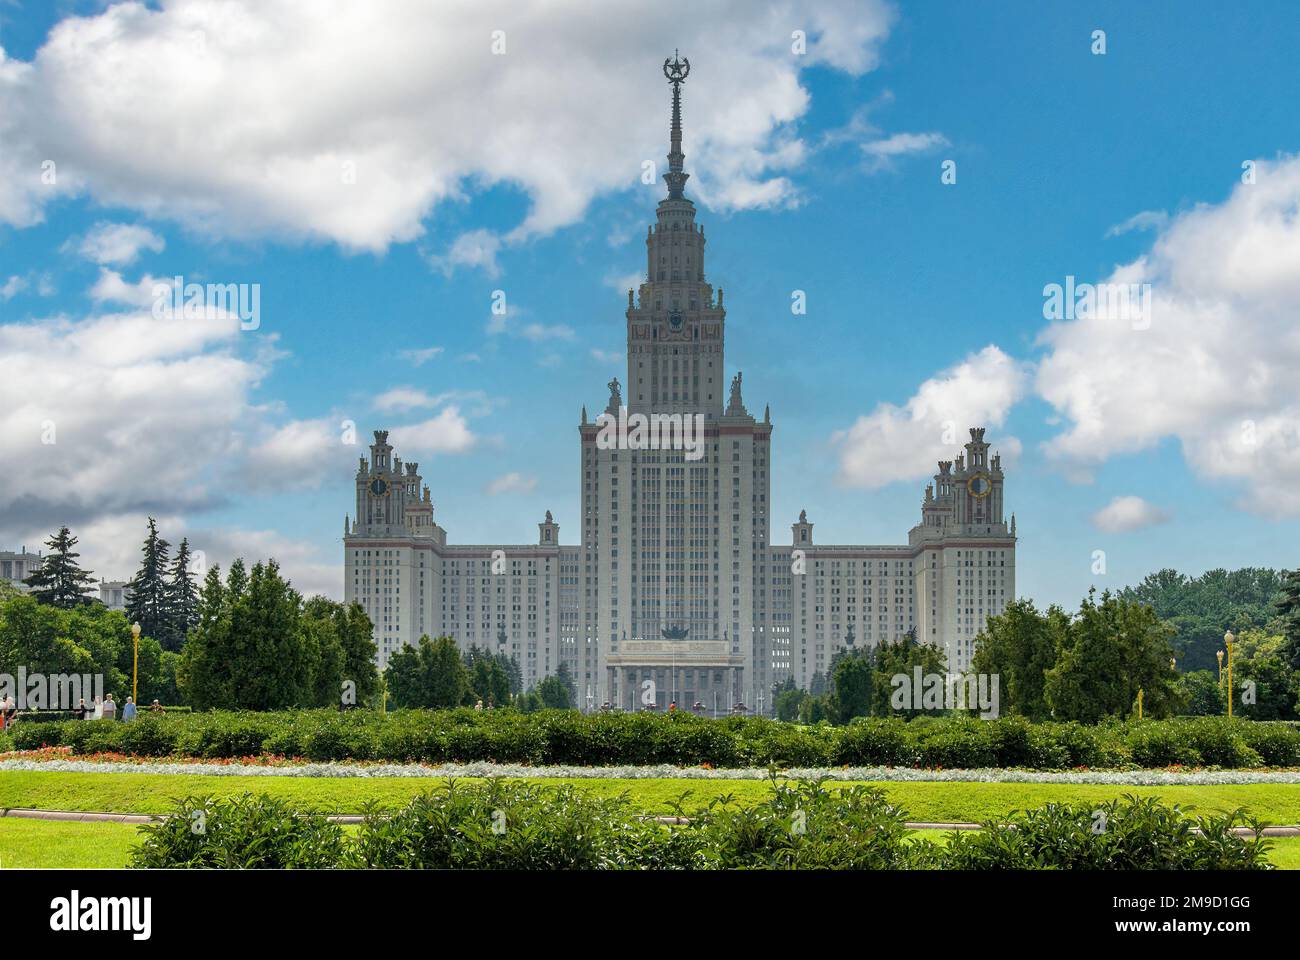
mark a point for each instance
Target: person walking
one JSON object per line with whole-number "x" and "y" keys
{"x": 128, "y": 709}
{"x": 110, "y": 708}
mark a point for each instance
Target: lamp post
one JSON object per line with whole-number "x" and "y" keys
{"x": 135, "y": 662}
{"x": 1228, "y": 638}
{"x": 1219, "y": 655}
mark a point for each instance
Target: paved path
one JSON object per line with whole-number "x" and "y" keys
{"x": 71, "y": 816}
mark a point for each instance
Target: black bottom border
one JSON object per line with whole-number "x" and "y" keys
{"x": 289, "y": 910}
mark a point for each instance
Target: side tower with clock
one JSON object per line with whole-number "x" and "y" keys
{"x": 965, "y": 568}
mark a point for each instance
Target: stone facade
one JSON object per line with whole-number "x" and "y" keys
{"x": 675, "y": 591}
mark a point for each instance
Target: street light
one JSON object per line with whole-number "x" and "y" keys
{"x": 1219, "y": 654}
{"x": 1228, "y": 638}
{"x": 135, "y": 662}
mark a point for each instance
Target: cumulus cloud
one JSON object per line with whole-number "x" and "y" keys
{"x": 117, "y": 413}
{"x": 112, "y": 288}
{"x": 1214, "y": 364}
{"x": 447, "y": 432}
{"x": 300, "y": 454}
{"x": 512, "y": 483}
{"x": 1126, "y": 514}
{"x": 118, "y": 244}
{"x": 350, "y": 122}
{"x": 903, "y": 443}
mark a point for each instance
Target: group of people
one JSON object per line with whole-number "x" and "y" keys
{"x": 106, "y": 709}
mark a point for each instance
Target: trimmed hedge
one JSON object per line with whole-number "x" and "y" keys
{"x": 512, "y": 825}
{"x": 569, "y": 738}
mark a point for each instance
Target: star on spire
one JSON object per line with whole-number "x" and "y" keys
{"x": 676, "y": 70}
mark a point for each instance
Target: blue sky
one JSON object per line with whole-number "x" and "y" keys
{"x": 213, "y": 157}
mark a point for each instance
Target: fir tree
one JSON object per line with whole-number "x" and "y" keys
{"x": 183, "y": 599}
{"x": 150, "y": 602}
{"x": 1288, "y": 605}
{"x": 59, "y": 581}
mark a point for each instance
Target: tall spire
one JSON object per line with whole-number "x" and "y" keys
{"x": 676, "y": 71}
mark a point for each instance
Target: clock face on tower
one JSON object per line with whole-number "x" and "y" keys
{"x": 379, "y": 487}
{"x": 675, "y": 320}
{"x": 979, "y": 485}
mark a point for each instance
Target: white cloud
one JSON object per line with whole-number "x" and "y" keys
{"x": 404, "y": 398}
{"x": 447, "y": 432}
{"x": 880, "y": 152}
{"x": 1216, "y": 366}
{"x": 538, "y": 332}
{"x": 512, "y": 483}
{"x": 112, "y": 288}
{"x": 1126, "y": 514}
{"x": 12, "y": 287}
{"x": 420, "y": 356}
{"x": 623, "y": 282}
{"x": 301, "y": 454}
{"x": 476, "y": 248}
{"x": 246, "y": 118}
{"x": 1146, "y": 220}
{"x": 606, "y": 356}
{"x": 113, "y": 412}
{"x": 904, "y": 443}
{"x": 119, "y": 243}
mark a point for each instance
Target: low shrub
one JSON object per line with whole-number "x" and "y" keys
{"x": 570, "y": 738}
{"x": 1276, "y": 743}
{"x": 248, "y": 832}
{"x": 516, "y": 825}
{"x": 1128, "y": 834}
{"x": 1156, "y": 744}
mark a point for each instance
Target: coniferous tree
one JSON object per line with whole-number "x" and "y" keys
{"x": 183, "y": 599}
{"x": 150, "y": 602}
{"x": 1288, "y": 606}
{"x": 59, "y": 581}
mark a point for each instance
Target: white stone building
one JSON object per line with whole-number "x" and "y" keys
{"x": 674, "y": 590}
{"x": 15, "y": 567}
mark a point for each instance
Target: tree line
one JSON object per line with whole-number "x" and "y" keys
{"x": 247, "y": 641}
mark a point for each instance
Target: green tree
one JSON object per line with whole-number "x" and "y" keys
{"x": 149, "y": 603}
{"x": 1201, "y": 608}
{"x": 59, "y": 581}
{"x": 852, "y": 682}
{"x": 789, "y": 703}
{"x": 554, "y": 693}
{"x": 1111, "y": 650}
{"x": 1019, "y": 646}
{"x": 430, "y": 674}
{"x": 1288, "y": 607}
{"x": 897, "y": 657}
{"x": 249, "y": 649}
{"x": 1201, "y": 694}
{"x": 182, "y": 598}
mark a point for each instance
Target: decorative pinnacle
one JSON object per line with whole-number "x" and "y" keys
{"x": 676, "y": 70}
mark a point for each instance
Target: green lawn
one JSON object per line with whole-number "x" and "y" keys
{"x": 50, "y": 844}
{"x": 940, "y": 802}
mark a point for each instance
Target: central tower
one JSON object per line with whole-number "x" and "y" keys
{"x": 674, "y": 545}
{"x": 674, "y": 324}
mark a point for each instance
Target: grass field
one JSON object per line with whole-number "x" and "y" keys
{"x": 933, "y": 802}
{"x": 49, "y": 844}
